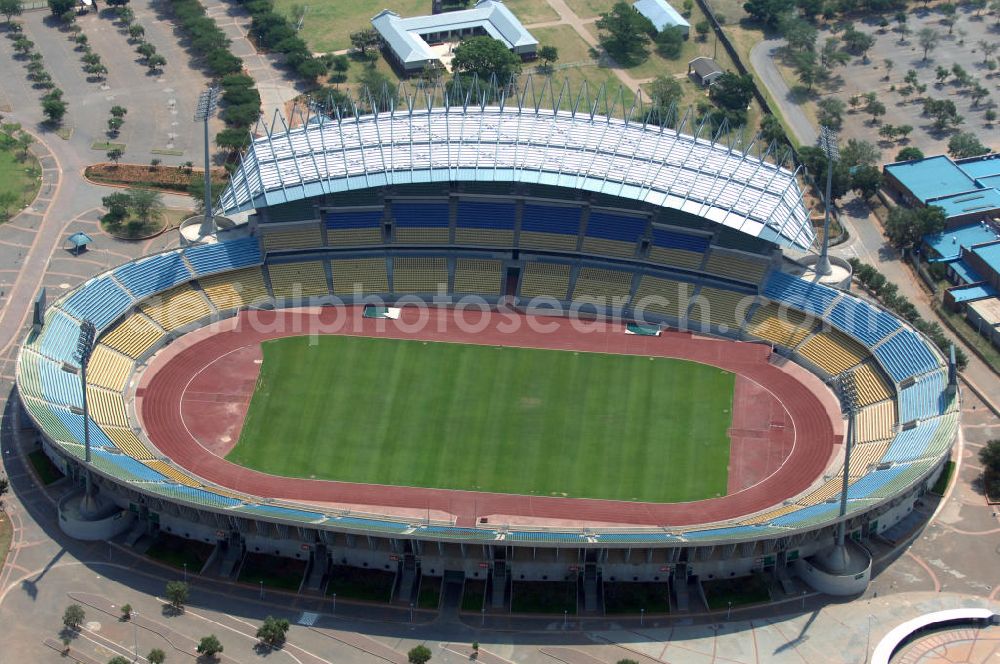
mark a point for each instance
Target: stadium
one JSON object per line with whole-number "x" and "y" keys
{"x": 496, "y": 340}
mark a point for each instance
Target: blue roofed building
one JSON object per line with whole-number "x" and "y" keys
{"x": 419, "y": 41}
{"x": 965, "y": 189}
{"x": 662, "y": 15}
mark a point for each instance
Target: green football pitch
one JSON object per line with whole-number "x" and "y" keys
{"x": 510, "y": 420}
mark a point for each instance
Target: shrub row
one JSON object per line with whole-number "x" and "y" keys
{"x": 888, "y": 294}
{"x": 272, "y": 31}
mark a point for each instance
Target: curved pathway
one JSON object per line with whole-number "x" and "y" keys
{"x": 762, "y": 59}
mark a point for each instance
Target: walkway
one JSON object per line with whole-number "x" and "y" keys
{"x": 762, "y": 59}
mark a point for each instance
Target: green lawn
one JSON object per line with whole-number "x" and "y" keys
{"x": 328, "y": 24}
{"x": 19, "y": 176}
{"x": 511, "y": 420}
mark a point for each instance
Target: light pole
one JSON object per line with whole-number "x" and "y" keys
{"x": 84, "y": 349}
{"x": 334, "y": 603}
{"x": 482, "y": 622}
{"x": 868, "y": 641}
{"x": 565, "y": 618}
{"x": 185, "y": 572}
{"x": 207, "y": 103}
{"x": 642, "y": 617}
{"x": 729, "y": 610}
{"x": 849, "y": 404}
{"x": 411, "y": 611}
{"x": 135, "y": 636}
{"x": 262, "y": 589}
{"x": 828, "y": 144}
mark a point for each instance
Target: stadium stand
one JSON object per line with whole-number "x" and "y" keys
{"x": 420, "y": 223}
{"x": 58, "y": 338}
{"x": 924, "y": 398}
{"x": 29, "y": 374}
{"x": 793, "y": 291}
{"x": 611, "y": 234}
{"x": 865, "y": 456}
{"x": 674, "y": 249}
{"x": 609, "y": 288}
{"x": 172, "y": 473}
{"x": 832, "y": 351}
{"x": 765, "y": 517}
{"x": 863, "y": 321}
{"x": 150, "y": 275}
{"x": 58, "y": 386}
{"x": 474, "y": 275}
{"x": 876, "y": 422}
{"x": 545, "y": 280}
{"x": 353, "y": 227}
{"x": 108, "y": 368}
{"x": 552, "y": 227}
{"x": 45, "y": 415}
{"x": 367, "y": 275}
{"x": 662, "y": 296}
{"x": 223, "y": 256}
{"x": 738, "y": 267}
{"x": 780, "y": 325}
{"x": 826, "y": 491}
{"x": 233, "y": 290}
{"x": 107, "y": 406}
{"x": 74, "y": 425}
{"x": 719, "y": 307}
{"x": 489, "y": 224}
{"x": 199, "y": 496}
{"x": 133, "y": 336}
{"x": 128, "y": 443}
{"x": 121, "y": 465}
{"x": 904, "y": 355}
{"x": 419, "y": 275}
{"x": 176, "y": 307}
{"x": 881, "y": 483}
{"x": 871, "y": 386}
{"x": 297, "y": 238}
{"x": 291, "y": 281}
{"x": 101, "y": 301}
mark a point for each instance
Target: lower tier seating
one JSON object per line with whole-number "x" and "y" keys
{"x": 233, "y": 290}
{"x": 177, "y": 307}
{"x": 133, "y": 336}
{"x": 876, "y": 422}
{"x": 549, "y": 241}
{"x": 419, "y": 275}
{"x": 128, "y": 443}
{"x": 603, "y": 287}
{"x": 780, "y": 325}
{"x": 296, "y": 280}
{"x": 299, "y": 238}
{"x": 720, "y": 307}
{"x": 736, "y": 266}
{"x": 871, "y": 386}
{"x": 473, "y": 275}
{"x": 545, "y": 280}
{"x": 108, "y": 368}
{"x": 832, "y": 351}
{"x": 662, "y": 296}
{"x": 107, "y": 407}
{"x": 364, "y": 275}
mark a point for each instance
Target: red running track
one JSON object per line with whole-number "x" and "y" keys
{"x": 813, "y": 412}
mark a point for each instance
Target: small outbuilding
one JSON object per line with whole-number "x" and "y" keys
{"x": 662, "y": 15}
{"x": 704, "y": 71}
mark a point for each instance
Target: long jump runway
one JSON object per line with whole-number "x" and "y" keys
{"x": 192, "y": 399}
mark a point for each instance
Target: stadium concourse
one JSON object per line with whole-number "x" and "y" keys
{"x": 546, "y": 212}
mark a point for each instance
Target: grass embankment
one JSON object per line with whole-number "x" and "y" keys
{"x": 487, "y": 418}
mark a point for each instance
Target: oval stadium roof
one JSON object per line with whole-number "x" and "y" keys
{"x": 660, "y": 166}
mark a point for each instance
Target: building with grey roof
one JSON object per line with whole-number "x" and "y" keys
{"x": 411, "y": 40}
{"x": 662, "y": 15}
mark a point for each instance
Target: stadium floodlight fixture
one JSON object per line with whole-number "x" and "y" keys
{"x": 84, "y": 349}
{"x": 848, "y": 389}
{"x": 208, "y": 102}
{"x": 828, "y": 144}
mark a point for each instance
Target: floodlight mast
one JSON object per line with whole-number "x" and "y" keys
{"x": 848, "y": 390}
{"x": 207, "y": 105}
{"x": 828, "y": 144}
{"x": 84, "y": 349}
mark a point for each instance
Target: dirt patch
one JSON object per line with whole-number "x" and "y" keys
{"x": 166, "y": 178}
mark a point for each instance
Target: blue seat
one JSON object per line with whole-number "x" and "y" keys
{"x": 350, "y": 220}
{"x": 74, "y": 424}
{"x": 59, "y": 336}
{"x": 124, "y": 466}
{"x": 194, "y": 495}
{"x": 154, "y": 274}
{"x": 420, "y": 215}
{"x": 804, "y": 295}
{"x": 58, "y": 386}
{"x": 550, "y": 219}
{"x": 101, "y": 301}
{"x": 925, "y": 398}
{"x": 615, "y": 227}
{"x": 873, "y": 482}
{"x": 486, "y": 216}
{"x": 904, "y": 355}
{"x": 224, "y": 256}
{"x": 283, "y": 512}
{"x": 683, "y": 241}
{"x": 544, "y": 536}
{"x": 911, "y": 444}
{"x": 863, "y": 321}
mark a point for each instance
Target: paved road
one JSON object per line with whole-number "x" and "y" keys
{"x": 762, "y": 60}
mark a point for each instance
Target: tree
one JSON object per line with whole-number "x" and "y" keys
{"x": 941, "y": 74}
{"x": 978, "y": 93}
{"x": 10, "y": 9}
{"x": 126, "y": 611}
{"x": 732, "y": 91}
{"x": 146, "y": 50}
{"x": 145, "y": 204}
{"x": 136, "y": 32}
{"x": 23, "y": 45}
{"x": 24, "y": 141}
{"x": 118, "y": 660}
{"x": 950, "y": 13}
{"x": 114, "y": 154}
{"x": 73, "y": 617}
{"x": 866, "y": 180}
{"x": 989, "y": 456}
{"x": 115, "y": 125}
{"x": 156, "y": 656}
{"x": 806, "y": 68}
{"x": 118, "y": 111}
{"x": 771, "y": 130}
{"x": 3, "y": 480}
{"x": 876, "y": 109}
{"x": 857, "y": 42}
{"x": 54, "y": 108}
{"x": 419, "y": 655}
{"x": 966, "y": 144}
{"x": 365, "y": 39}
{"x": 799, "y": 35}
{"x": 177, "y": 594}
{"x": 209, "y": 646}
{"x": 60, "y": 7}
{"x": 155, "y": 62}
{"x": 670, "y": 43}
{"x": 860, "y": 153}
{"x": 928, "y": 39}
{"x": 117, "y": 204}
{"x": 232, "y": 139}
{"x": 905, "y": 227}
{"x": 485, "y": 56}
{"x": 990, "y": 116}
{"x": 831, "y": 112}
{"x": 272, "y": 632}
{"x": 944, "y": 113}
{"x": 666, "y": 90}
{"x": 624, "y": 34}
{"x": 702, "y": 28}
{"x": 548, "y": 55}
{"x": 768, "y": 12}
{"x": 814, "y": 159}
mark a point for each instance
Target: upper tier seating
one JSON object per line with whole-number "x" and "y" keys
{"x": 780, "y": 325}
{"x": 232, "y": 290}
{"x": 362, "y": 275}
{"x": 807, "y": 296}
{"x": 419, "y": 275}
{"x": 420, "y": 223}
{"x": 675, "y": 249}
{"x": 292, "y": 281}
{"x": 921, "y": 441}
{"x": 176, "y": 307}
{"x": 662, "y": 296}
{"x": 133, "y": 336}
{"x": 904, "y": 355}
{"x": 58, "y": 337}
{"x": 153, "y": 274}
{"x": 353, "y": 227}
{"x": 101, "y": 302}
{"x": 862, "y": 320}
{"x": 108, "y": 368}
{"x": 876, "y": 422}
{"x": 222, "y": 256}
{"x": 293, "y": 238}
{"x": 107, "y": 407}
{"x": 552, "y": 227}
{"x": 611, "y": 234}
{"x": 739, "y": 267}
{"x": 474, "y": 275}
{"x": 871, "y": 386}
{"x": 546, "y": 280}
{"x": 833, "y": 351}
{"x": 719, "y": 307}
{"x": 489, "y": 224}
{"x": 607, "y": 288}
{"x": 925, "y": 398}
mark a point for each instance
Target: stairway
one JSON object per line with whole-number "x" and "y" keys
{"x": 407, "y": 580}
{"x": 591, "y": 579}
{"x": 318, "y": 569}
{"x": 498, "y": 600}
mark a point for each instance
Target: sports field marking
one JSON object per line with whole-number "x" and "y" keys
{"x": 489, "y": 418}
